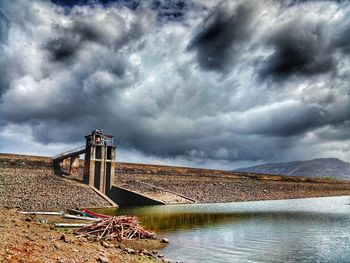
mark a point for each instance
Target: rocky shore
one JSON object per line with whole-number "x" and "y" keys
{"x": 32, "y": 239}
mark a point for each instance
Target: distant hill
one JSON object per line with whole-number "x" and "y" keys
{"x": 323, "y": 167}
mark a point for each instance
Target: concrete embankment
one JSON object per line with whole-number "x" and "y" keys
{"x": 29, "y": 183}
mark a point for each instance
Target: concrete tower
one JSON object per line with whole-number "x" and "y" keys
{"x": 99, "y": 160}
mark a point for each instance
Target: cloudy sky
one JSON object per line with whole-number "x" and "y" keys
{"x": 219, "y": 84}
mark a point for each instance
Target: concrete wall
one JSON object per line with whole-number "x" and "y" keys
{"x": 125, "y": 197}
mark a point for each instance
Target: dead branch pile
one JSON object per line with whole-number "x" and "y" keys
{"x": 116, "y": 227}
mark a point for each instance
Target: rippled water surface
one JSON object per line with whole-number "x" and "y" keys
{"x": 299, "y": 230}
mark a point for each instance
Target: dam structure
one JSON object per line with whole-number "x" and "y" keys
{"x": 131, "y": 184}
{"x": 99, "y": 169}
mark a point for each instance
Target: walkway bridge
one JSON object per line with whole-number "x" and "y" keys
{"x": 72, "y": 156}
{"x": 70, "y": 153}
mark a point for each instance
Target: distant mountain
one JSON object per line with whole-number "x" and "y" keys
{"x": 323, "y": 167}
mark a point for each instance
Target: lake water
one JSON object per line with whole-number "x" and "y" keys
{"x": 299, "y": 230}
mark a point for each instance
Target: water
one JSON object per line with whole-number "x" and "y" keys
{"x": 299, "y": 230}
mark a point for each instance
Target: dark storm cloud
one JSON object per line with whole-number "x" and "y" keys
{"x": 291, "y": 120}
{"x": 342, "y": 39}
{"x": 220, "y": 38}
{"x": 84, "y": 30}
{"x": 167, "y": 10}
{"x": 71, "y": 3}
{"x": 133, "y": 71}
{"x": 300, "y": 47}
{"x": 4, "y": 26}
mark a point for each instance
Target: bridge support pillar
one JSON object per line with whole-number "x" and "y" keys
{"x": 74, "y": 165}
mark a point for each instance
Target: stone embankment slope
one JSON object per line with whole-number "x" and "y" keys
{"x": 29, "y": 183}
{"x": 215, "y": 186}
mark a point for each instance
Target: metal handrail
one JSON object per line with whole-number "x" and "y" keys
{"x": 69, "y": 152}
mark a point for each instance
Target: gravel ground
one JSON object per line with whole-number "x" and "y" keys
{"x": 30, "y": 184}
{"x": 211, "y": 186}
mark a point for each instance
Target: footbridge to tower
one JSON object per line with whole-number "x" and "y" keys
{"x": 71, "y": 159}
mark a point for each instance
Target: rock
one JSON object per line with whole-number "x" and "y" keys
{"x": 102, "y": 253}
{"x": 120, "y": 246}
{"x": 57, "y": 246}
{"x": 161, "y": 256}
{"x": 30, "y": 238}
{"x": 102, "y": 259}
{"x": 154, "y": 252}
{"x": 130, "y": 251}
{"x": 67, "y": 238}
{"x": 145, "y": 252}
{"x": 106, "y": 244}
{"x": 83, "y": 240}
{"x": 164, "y": 240}
{"x": 28, "y": 219}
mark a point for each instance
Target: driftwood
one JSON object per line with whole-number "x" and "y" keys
{"x": 69, "y": 225}
{"x": 81, "y": 218}
{"x": 117, "y": 227}
{"x": 42, "y": 213}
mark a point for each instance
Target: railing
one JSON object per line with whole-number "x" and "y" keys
{"x": 80, "y": 149}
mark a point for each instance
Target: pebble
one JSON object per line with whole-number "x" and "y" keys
{"x": 102, "y": 259}
{"x": 130, "y": 250}
{"x": 119, "y": 246}
{"x": 145, "y": 252}
{"x": 107, "y": 245}
{"x": 30, "y": 238}
{"x": 164, "y": 240}
{"x": 67, "y": 238}
{"x": 57, "y": 246}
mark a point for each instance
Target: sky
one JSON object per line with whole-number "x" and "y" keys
{"x": 215, "y": 84}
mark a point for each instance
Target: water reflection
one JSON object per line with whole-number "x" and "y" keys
{"x": 308, "y": 230}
